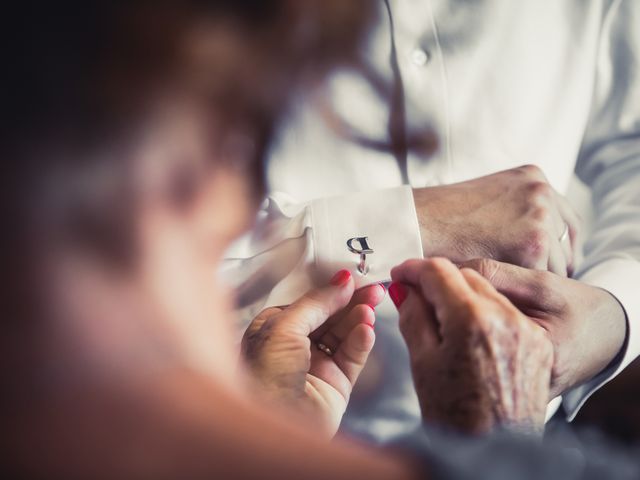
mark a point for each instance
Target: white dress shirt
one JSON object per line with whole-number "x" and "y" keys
{"x": 555, "y": 83}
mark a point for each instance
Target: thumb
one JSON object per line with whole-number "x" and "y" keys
{"x": 527, "y": 289}
{"x": 312, "y": 309}
{"x": 263, "y": 316}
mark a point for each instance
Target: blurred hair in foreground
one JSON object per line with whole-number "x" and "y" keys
{"x": 116, "y": 111}
{"x": 86, "y": 81}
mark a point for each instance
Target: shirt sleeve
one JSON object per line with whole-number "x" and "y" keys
{"x": 610, "y": 164}
{"x": 296, "y": 246}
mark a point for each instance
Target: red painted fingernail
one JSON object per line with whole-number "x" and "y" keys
{"x": 398, "y": 293}
{"x": 340, "y": 278}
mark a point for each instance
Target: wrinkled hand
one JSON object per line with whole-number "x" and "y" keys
{"x": 280, "y": 349}
{"x": 477, "y": 362}
{"x": 586, "y": 324}
{"x": 513, "y": 216}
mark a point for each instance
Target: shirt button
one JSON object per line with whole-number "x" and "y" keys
{"x": 419, "y": 57}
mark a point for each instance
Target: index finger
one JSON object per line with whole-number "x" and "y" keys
{"x": 370, "y": 295}
{"x": 439, "y": 280}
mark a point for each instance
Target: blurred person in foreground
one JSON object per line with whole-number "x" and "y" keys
{"x": 134, "y": 156}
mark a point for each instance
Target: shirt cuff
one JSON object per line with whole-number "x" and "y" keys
{"x": 620, "y": 278}
{"x": 386, "y": 218}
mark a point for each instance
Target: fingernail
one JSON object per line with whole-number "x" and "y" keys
{"x": 398, "y": 294}
{"x": 340, "y": 278}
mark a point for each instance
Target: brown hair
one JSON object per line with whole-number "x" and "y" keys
{"x": 82, "y": 77}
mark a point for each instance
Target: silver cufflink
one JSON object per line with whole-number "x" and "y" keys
{"x": 363, "y": 251}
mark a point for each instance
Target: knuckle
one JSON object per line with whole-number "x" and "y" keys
{"x": 540, "y": 215}
{"x": 539, "y": 190}
{"x": 435, "y": 267}
{"x": 488, "y": 267}
{"x": 531, "y": 170}
{"x": 535, "y": 245}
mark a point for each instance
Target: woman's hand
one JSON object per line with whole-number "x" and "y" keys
{"x": 477, "y": 361}
{"x": 308, "y": 355}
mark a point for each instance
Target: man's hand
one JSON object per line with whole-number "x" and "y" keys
{"x": 513, "y": 216}
{"x": 281, "y": 349}
{"x": 586, "y": 324}
{"x": 477, "y": 361}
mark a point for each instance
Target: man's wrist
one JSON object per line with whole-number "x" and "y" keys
{"x": 432, "y": 231}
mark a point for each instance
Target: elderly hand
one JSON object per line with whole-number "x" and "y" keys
{"x": 308, "y": 356}
{"x": 586, "y": 324}
{"x": 477, "y": 361}
{"x": 513, "y": 216}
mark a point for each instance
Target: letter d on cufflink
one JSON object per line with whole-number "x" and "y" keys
{"x": 363, "y": 251}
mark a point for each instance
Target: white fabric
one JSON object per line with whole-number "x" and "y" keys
{"x": 554, "y": 83}
{"x": 295, "y": 246}
{"x": 334, "y": 223}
